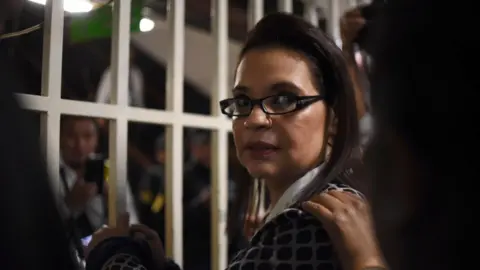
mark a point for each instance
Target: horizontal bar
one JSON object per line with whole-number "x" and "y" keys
{"x": 133, "y": 114}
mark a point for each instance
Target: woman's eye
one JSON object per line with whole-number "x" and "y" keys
{"x": 242, "y": 102}
{"x": 283, "y": 100}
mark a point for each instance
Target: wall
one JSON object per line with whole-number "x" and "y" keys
{"x": 199, "y": 52}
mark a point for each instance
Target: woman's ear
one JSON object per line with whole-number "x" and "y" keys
{"x": 331, "y": 131}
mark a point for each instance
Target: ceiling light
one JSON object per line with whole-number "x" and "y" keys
{"x": 72, "y": 6}
{"x": 146, "y": 25}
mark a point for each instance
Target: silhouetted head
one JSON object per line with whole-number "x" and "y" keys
{"x": 424, "y": 161}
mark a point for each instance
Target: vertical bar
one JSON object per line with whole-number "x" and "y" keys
{"x": 335, "y": 14}
{"x": 285, "y": 6}
{"x": 174, "y": 136}
{"x": 255, "y": 12}
{"x": 51, "y": 87}
{"x": 219, "y": 163}
{"x": 310, "y": 12}
{"x": 118, "y": 128}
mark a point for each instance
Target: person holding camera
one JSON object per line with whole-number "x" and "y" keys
{"x": 84, "y": 189}
{"x": 352, "y": 24}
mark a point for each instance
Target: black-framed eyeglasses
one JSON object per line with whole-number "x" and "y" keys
{"x": 273, "y": 105}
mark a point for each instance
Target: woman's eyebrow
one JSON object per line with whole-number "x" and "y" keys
{"x": 240, "y": 88}
{"x": 284, "y": 86}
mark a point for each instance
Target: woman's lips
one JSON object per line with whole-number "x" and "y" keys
{"x": 260, "y": 150}
{"x": 261, "y": 154}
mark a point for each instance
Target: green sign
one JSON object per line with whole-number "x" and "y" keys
{"x": 98, "y": 23}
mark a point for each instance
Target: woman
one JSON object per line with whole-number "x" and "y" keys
{"x": 291, "y": 87}
{"x": 346, "y": 218}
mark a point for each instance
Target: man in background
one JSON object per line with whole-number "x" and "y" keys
{"x": 83, "y": 201}
{"x": 196, "y": 200}
{"x": 151, "y": 193}
{"x": 352, "y": 24}
{"x": 135, "y": 85}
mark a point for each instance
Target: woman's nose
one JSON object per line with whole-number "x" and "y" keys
{"x": 257, "y": 119}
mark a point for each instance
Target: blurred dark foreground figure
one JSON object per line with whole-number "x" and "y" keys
{"x": 32, "y": 234}
{"x": 423, "y": 153}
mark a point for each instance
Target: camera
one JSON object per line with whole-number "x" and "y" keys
{"x": 95, "y": 172}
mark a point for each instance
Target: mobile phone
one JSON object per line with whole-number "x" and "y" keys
{"x": 95, "y": 172}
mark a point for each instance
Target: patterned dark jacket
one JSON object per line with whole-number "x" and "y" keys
{"x": 293, "y": 240}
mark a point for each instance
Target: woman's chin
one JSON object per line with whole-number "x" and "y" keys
{"x": 262, "y": 170}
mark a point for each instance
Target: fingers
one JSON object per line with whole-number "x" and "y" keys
{"x": 137, "y": 229}
{"x": 343, "y": 196}
{"x": 350, "y": 200}
{"x": 327, "y": 201}
{"x": 319, "y": 211}
{"x": 334, "y": 205}
{"x": 123, "y": 222}
{"x": 252, "y": 223}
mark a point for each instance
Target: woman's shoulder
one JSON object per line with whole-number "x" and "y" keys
{"x": 294, "y": 224}
{"x": 339, "y": 186}
{"x": 290, "y": 240}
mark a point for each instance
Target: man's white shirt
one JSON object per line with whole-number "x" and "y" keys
{"x": 95, "y": 209}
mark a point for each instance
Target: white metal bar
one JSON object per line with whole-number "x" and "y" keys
{"x": 52, "y": 87}
{"x": 134, "y": 114}
{"x": 174, "y": 138}
{"x": 255, "y": 12}
{"x": 118, "y": 127}
{"x": 285, "y": 6}
{"x": 219, "y": 246}
{"x": 310, "y": 12}
{"x": 334, "y": 16}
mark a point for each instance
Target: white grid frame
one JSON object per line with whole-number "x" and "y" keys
{"x": 52, "y": 106}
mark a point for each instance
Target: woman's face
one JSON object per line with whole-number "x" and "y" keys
{"x": 278, "y": 147}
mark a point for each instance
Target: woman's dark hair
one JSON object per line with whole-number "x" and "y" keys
{"x": 331, "y": 77}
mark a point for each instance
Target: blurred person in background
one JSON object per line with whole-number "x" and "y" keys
{"x": 352, "y": 24}
{"x": 83, "y": 202}
{"x": 151, "y": 194}
{"x": 135, "y": 84}
{"x": 196, "y": 199}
